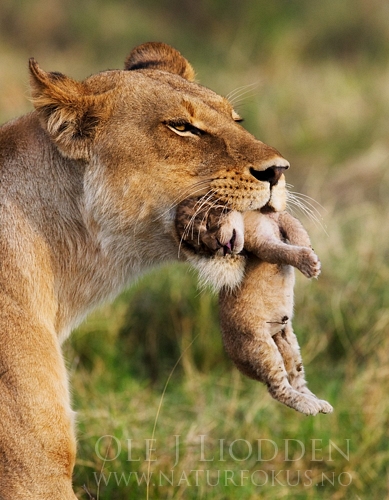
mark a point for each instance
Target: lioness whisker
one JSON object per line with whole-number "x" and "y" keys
{"x": 190, "y": 224}
{"x": 307, "y": 208}
{"x": 201, "y": 202}
{"x": 238, "y": 103}
{"x": 206, "y": 201}
{"x": 186, "y": 193}
{"x": 240, "y": 91}
{"x": 299, "y": 204}
{"x": 231, "y": 94}
{"x": 212, "y": 205}
{"x": 190, "y": 191}
{"x": 308, "y": 199}
{"x": 306, "y": 202}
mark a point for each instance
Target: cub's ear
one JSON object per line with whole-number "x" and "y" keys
{"x": 160, "y": 56}
{"x": 66, "y": 111}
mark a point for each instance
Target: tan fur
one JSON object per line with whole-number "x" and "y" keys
{"x": 89, "y": 185}
{"x": 256, "y": 317}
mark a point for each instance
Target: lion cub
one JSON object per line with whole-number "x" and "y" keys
{"x": 256, "y": 318}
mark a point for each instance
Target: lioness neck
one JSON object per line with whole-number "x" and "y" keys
{"x": 50, "y": 237}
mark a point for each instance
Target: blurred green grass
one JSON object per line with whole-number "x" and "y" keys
{"x": 321, "y": 96}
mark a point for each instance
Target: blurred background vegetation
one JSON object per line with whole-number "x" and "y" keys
{"x": 317, "y": 78}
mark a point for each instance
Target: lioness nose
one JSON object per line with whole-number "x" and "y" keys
{"x": 271, "y": 174}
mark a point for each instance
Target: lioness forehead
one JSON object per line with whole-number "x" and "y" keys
{"x": 159, "y": 86}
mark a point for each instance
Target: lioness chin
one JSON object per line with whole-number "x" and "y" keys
{"x": 89, "y": 184}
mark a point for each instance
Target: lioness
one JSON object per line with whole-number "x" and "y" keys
{"x": 256, "y": 317}
{"x": 89, "y": 184}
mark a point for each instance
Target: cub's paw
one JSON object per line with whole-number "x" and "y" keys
{"x": 310, "y": 405}
{"x": 321, "y": 404}
{"x": 325, "y": 407}
{"x": 309, "y": 263}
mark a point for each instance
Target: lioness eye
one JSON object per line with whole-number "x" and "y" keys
{"x": 184, "y": 129}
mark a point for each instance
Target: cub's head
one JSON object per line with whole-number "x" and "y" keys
{"x": 149, "y": 137}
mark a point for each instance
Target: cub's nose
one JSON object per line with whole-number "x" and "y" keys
{"x": 271, "y": 174}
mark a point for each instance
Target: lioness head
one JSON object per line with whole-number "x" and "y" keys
{"x": 149, "y": 136}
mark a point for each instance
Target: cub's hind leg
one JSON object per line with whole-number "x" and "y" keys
{"x": 289, "y": 349}
{"x": 248, "y": 316}
{"x": 258, "y": 357}
{"x": 290, "y": 352}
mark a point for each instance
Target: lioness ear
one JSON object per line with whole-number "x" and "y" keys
{"x": 65, "y": 110}
{"x": 160, "y": 56}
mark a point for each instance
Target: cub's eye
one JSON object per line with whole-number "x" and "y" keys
{"x": 184, "y": 129}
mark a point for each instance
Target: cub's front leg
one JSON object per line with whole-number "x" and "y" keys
{"x": 265, "y": 235}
